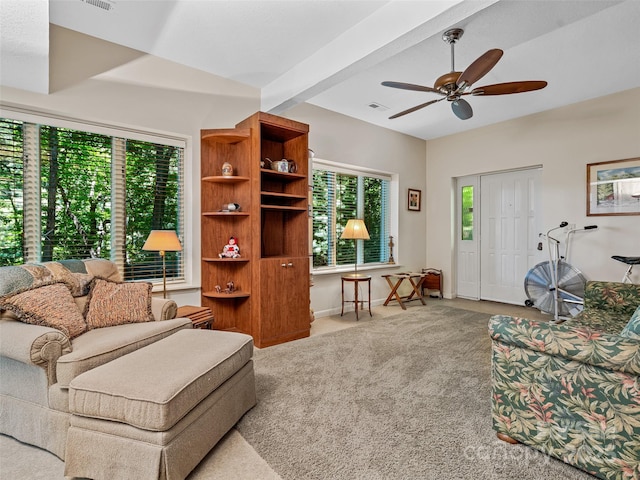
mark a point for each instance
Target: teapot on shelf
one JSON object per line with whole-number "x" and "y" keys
{"x": 280, "y": 165}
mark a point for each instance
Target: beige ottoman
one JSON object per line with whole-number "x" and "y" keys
{"x": 156, "y": 412}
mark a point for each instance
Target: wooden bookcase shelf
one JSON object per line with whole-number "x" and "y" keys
{"x": 283, "y": 195}
{"x": 225, "y": 260}
{"x": 271, "y": 228}
{"x": 226, "y": 296}
{"x": 225, "y": 135}
{"x": 223, "y": 179}
{"x": 225, "y": 214}
{"x": 283, "y": 207}
{"x": 282, "y": 176}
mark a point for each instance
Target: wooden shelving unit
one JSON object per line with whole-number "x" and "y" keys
{"x": 271, "y": 301}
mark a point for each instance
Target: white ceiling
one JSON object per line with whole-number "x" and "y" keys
{"x": 335, "y": 53}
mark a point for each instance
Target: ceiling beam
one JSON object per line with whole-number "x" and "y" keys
{"x": 393, "y": 28}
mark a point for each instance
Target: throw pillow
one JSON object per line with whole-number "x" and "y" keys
{"x": 49, "y": 305}
{"x": 116, "y": 303}
{"x": 632, "y": 329}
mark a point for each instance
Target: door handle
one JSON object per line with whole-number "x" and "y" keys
{"x": 284, "y": 265}
{"x": 290, "y": 264}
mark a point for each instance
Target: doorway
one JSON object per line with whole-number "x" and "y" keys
{"x": 497, "y": 226}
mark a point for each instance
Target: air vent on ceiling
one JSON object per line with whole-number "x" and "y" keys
{"x": 103, "y": 4}
{"x": 378, "y": 106}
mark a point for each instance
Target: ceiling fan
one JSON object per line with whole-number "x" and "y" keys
{"x": 453, "y": 85}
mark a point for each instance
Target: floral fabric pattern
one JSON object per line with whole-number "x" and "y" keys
{"x": 572, "y": 390}
{"x": 612, "y": 297}
{"x": 632, "y": 329}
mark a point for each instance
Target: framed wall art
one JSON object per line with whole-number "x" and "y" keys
{"x": 613, "y": 188}
{"x": 414, "y": 199}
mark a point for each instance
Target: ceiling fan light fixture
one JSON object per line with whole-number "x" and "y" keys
{"x": 462, "y": 109}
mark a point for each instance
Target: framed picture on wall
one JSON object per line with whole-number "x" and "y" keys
{"x": 413, "y": 199}
{"x": 613, "y": 188}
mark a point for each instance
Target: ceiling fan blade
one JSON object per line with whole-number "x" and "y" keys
{"x": 479, "y": 68}
{"x": 509, "y": 87}
{"x": 411, "y": 86}
{"x": 462, "y": 109}
{"x": 413, "y": 109}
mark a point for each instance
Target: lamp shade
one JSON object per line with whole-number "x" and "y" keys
{"x": 162, "y": 241}
{"x": 355, "y": 230}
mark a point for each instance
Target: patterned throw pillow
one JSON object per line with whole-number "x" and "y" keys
{"x": 20, "y": 277}
{"x": 116, "y": 303}
{"x": 632, "y": 330}
{"x": 49, "y": 305}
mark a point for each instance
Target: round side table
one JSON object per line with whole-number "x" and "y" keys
{"x": 357, "y": 279}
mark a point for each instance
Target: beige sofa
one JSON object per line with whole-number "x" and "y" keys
{"x": 37, "y": 363}
{"x": 72, "y": 394}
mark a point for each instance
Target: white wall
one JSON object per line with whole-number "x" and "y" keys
{"x": 158, "y": 95}
{"x": 152, "y": 94}
{"x": 563, "y": 141}
{"x": 342, "y": 139}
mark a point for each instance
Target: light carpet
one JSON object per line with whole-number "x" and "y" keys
{"x": 402, "y": 397}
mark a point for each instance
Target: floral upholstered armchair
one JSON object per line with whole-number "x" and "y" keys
{"x": 572, "y": 390}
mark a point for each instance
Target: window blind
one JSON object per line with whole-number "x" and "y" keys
{"x": 11, "y": 198}
{"x": 377, "y": 219}
{"x": 68, "y": 193}
{"x": 75, "y": 179}
{"x": 153, "y": 200}
{"x": 341, "y": 194}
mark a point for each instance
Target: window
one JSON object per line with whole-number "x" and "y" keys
{"x": 341, "y": 194}
{"x": 68, "y": 193}
{"x": 467, "y": 213}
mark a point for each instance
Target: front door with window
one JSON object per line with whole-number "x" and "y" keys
{"x": 498, "y": 222}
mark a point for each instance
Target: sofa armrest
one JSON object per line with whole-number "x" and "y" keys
{"x": 33, "y": 344}
{"x": 163, "y": 308}
{"x": 612, "y": 297}
{"x": 573, "y": 342}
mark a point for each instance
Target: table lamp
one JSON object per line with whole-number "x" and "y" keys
{"x": 163, "y": 241}
{"x": 355, "y": 230}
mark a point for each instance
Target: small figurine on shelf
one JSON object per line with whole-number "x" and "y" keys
{"x": 227, "y": 169}
{"x": 231, "y": 249}
{"x": 230, "y": 288}
{"x": 230, "y": 207}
